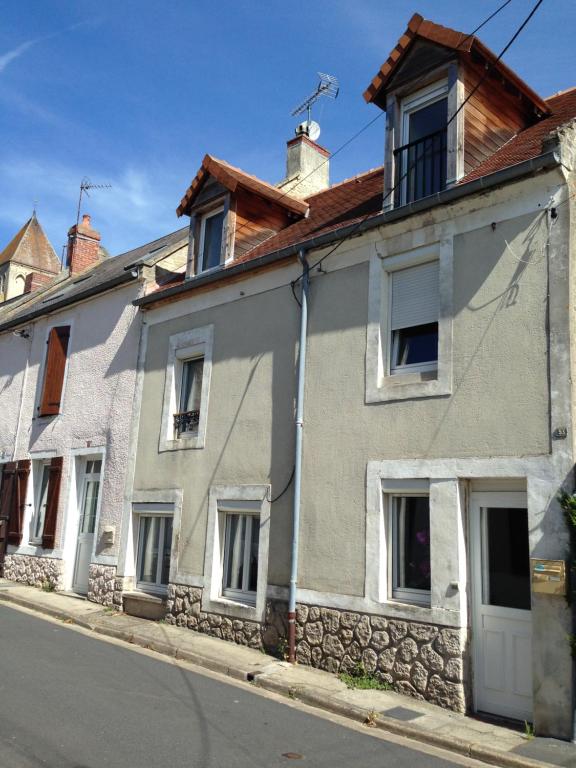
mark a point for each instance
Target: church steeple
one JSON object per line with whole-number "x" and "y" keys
{"x": 28, "y": 251}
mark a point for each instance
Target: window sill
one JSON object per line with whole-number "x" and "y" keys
{"x": 407, "y": 386}
{"x": 229, "y": 607}
{"x": 184, "y": 442}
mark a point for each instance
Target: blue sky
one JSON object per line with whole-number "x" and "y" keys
{"x": 134, "y": 92}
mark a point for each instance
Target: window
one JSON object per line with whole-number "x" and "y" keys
{"x": 241, "y": 540}
{"x": 186, "y": 390}
{"x": 409, "y": 331}
{"x": 421, "y": 162}
{"x": 187, "y": 418}
{"x": 154, "y": 551}
{"x": 236, "y": 559}
{"x": 210, "y": 246}
{"x": 41, "y": 474}
{"x": 410, "y": 538}
{"x": 54, "y": 371}
{"x": 414, "y": 306}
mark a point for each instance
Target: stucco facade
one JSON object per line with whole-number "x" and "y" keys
{"x": 505, "y": 364}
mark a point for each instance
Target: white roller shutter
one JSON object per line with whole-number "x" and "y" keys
{"x": 415, "y": 295}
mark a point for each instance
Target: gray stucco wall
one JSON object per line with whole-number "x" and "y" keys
{"x": 499, "y": 405}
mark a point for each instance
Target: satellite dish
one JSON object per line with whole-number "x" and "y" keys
{"x": 309, "y": 128}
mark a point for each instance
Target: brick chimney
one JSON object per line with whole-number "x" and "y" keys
{"x": 35, "y": 280}
{"x": 83, "y": 246}
{"x": 307, "y": 167}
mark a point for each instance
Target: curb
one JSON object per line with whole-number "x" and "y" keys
{"x": 265, "y": 679}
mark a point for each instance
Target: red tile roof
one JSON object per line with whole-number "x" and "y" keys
{"x": 419, "y": 28}
{"x": 344, "y": 203}
{"x": 231, "y": 177}
{"x": 529, "y": 142}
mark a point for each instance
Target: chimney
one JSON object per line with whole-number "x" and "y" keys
{"x": 307, "y": 166}
{"x": 83, "y": 246}
{"x": 35, "y": 280}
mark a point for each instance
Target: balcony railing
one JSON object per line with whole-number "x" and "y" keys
{"x": 186, "y": 422}
{"x": 420, "y": 168}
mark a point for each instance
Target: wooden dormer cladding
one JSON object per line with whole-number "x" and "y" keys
{"x": 246, "y": 211}
{"x": 495, "y": 113}
{"x": 502, "y": 106}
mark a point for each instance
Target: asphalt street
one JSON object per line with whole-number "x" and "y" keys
{"x": 68, "y": 700}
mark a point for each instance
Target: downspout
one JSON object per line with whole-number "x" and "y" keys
{"x": 298, "y": 459}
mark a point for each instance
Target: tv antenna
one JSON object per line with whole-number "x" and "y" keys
{"x": 85, "y": 185}
{"x": 327, "y": 86}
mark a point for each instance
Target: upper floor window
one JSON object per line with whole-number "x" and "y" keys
{"x": 210, "y": 245}
{"x": 188, "y": 417}
{"x": 421, "y": 159}
{"x": 54, "y": 371}
{"x": 414, "y": 306}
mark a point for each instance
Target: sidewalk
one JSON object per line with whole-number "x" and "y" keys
{"x": 386, "y": 710}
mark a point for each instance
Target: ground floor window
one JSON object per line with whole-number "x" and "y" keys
{"x": 41, "y": 476}
{"x": 410, "y": 548}
{"x": 241, "y": 541}
{"x": 154, "y": 548}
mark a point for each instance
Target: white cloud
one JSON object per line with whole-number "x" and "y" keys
{"x": 7, "y": 58}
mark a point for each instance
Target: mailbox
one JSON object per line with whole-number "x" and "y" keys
{"x": 108, "y": 535}
{"x": 549, "y": 577}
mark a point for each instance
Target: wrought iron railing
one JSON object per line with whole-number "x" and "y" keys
{"x": 186, "y": 422}
{"x": 420, "y": 168}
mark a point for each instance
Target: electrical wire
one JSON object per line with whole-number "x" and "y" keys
{"x": 448, "y": 122}
{"x": 370, "y": 123}
{"x": 288, "y": 484}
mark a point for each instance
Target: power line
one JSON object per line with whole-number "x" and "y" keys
{"x": 448, "y": 122}
{"x": 369, "y": 124}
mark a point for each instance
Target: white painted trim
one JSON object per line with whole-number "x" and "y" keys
{"x": 202, "y": 341}
{"x": 381, "y": 384}
{"x": 212, "y": 599}
{"x": 165, "y": 501}
{"x": 204, "y": 217}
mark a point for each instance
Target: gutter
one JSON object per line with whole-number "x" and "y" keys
{"x": 543, "y": 162}
{"x": 298, "y": 458}
{"x": 50, "y": 307}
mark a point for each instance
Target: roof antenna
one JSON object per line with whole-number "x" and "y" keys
{"x": 328, "y": 86}
{"x": 85, "y": 185}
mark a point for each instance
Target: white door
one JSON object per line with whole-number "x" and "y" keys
{"x": 502, "y": 622}
{"x": 90, "y": 489}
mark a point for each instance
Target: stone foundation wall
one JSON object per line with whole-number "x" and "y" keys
{"x": 33, "y": 570}
{"x": 104, "y": 587}
{"x": 184, "y": 610}
{"x": 424, "y": 661}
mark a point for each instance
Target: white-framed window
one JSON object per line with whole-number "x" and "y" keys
{"x": 409, "y": 550}
{"x": 241, "y": 525}
{"x": 414, "y": 311}
{"x": 210, "y": 242}
{"x": 40, "y": 478}
{"x": 90, "y": 494}
{"x": 421, "y": 155}
{"x": 154, "y": 551}
{"x": 409, "y": 333}
{"x": 237, "y": 543}
{"x": 186, "y": 389}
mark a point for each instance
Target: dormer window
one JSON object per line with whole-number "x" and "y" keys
{"x": 421, "y": 160}
{"x": 210, "y": 247}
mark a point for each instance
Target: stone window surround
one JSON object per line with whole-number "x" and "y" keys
{"x": 212, "y": 600}
{"x": 196, "y": 342}
{"x": 167, "y": 502}
{"x": 380, "y": 385}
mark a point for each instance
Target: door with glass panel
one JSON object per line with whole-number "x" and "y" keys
{"x": 89, "y": 494}
{"x": 502, "y": 621}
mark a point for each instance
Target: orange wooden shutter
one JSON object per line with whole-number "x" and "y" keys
{"x": 14, "y": 487}
{"x": 54, "y": 370}
{"x": 49, "y": 532}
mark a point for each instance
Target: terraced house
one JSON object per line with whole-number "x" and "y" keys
{"x": 355, "y": 408}
{"x": 68, "y": 355}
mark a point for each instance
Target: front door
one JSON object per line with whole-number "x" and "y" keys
{"x": 502, "y": 623}
{"x": 90, "y": 489}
